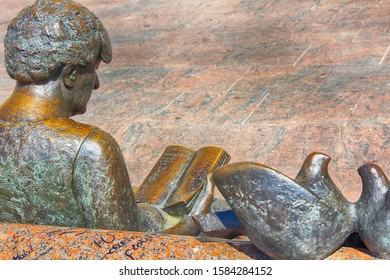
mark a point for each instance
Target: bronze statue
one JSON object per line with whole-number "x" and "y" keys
{"x": 373, "y": 209}
{"x": 53, "y": 170}
{"x": 302, "y": 218}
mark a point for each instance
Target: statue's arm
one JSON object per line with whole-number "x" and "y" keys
{"x": 102, "y": 185}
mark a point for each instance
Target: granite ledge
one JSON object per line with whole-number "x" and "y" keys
{"x": 23, "y": 241}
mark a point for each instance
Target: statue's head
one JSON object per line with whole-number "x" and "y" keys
{"x": 49, "y": 35}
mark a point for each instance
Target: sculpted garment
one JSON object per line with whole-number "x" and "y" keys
{"x": 61, "y": 172}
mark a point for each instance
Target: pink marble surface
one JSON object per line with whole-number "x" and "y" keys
{"x": 269, "y": 81}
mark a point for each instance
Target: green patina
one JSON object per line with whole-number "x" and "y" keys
{"x": 36, "y": 176}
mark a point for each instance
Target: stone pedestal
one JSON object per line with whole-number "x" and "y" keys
{"x": 19, "y": 241}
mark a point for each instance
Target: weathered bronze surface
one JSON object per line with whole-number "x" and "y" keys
{"x": 373, "y": 209}
{"x": 55, "y": 171}
{"x": 305, "y": 218}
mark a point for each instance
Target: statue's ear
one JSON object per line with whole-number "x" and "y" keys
{"x": 69, "y": 76}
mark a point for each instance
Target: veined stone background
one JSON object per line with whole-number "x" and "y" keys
{"x": 268, "y": 81}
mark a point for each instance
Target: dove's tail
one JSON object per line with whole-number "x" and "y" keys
{"x": 314, "y": 176}
{"x": 375, "y": 193}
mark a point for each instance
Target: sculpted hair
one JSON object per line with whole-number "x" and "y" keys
{"x": 50, "y": 34}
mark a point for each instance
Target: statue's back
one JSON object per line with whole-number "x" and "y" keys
{"x": 36, "y": 165}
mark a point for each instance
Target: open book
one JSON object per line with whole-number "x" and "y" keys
{"x": 178, "y": 176}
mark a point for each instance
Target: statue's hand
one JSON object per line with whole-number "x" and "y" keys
{"x": 179, "y": 217}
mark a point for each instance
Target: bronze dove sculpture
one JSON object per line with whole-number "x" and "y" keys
{"x": 306, "y": 217}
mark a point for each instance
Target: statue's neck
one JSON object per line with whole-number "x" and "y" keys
{"x": 30, "y": 103}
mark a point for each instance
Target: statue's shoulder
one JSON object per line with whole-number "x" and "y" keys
{"x": 92, "y": 142}
{"x": 90, "y": 136}
{"x": 62, "y": 130}
{"x": 69, "y": 127}
{"x": 101, "y": 144}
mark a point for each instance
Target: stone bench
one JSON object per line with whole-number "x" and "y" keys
{"x": 21, "y": 241}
